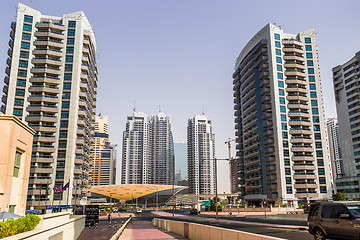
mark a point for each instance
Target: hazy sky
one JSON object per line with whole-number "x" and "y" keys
{"x": 180, "y": 54}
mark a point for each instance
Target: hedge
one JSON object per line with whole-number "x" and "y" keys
{"x": 20, "y": 225}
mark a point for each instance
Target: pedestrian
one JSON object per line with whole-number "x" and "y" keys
{"x": 109, "y": 216}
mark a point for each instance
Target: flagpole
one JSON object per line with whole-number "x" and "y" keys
{"x": 47, "y": 193}
{"x": 67, "y": 203}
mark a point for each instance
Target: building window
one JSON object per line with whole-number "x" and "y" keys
{"x": 285, "y": 143}
{"x": 316, "y": 119}
{"x": 310, "y": 62}
{"x": 314, "y": 103}
{"x": 67, "y": 76}
{"x": 28, "y": 18}
{"x": 307, "y": 40}
{"x": 18, "y": 102}
{"x": 72, "y": 24}
{"x": 66, "y": 95}
{"x": 311, "y": 71}
{"x": 282, "y": 100}
{"x": 67, "y": 85}
{"x": 308, "y": 48}
{"x": 280, "y": 76}
{"x": 64, "y": 114}
{"x": 63, "y": 133}
{"x": 277, "y": 36}
{"x": 317, "y": 136}
{"x": 320, "y": 162}
{"x": 315, "y": 111}
{"x": 323, "y": 189}
{"x": 316, "y": 127}
{"x": 286, "y": 153}
{"x": 318, "y": 144}
{"x": 278, "y": 60}
{"x": 68, "y": 67}
{"x": 312, "y": 86}
{"x": 70, "y": 41}
{"x": 27, "y": 27}
{"x": 279, "y": 68}
{"x": 285, "y": 135}
{"x": 282, "y": 109}
{"x": 287, "y": 171}
{"x": 309, "y": 55}
{"x": 23, "y": 64}
{"x": 283, "y": 117}
{"x": 26, "y": 36}
{"x": 17, "y": 164}
{"x": 278, "y": 52}
{"x": 319, "y": 153}
{"x": 65, "y": 104}
{"x": 69, "y": 58}
{"x": 321, "y": 171}
{"x": 289, "y": 190}
{"x": 20, "y": 92}
{"x": 287, "y": 162}
{"x": 313, "y": 95}
{"x": 69, "y": 49}
{"x": 17, "y": 112}
{"x": 71, "y": 32}
{"x": 277, "y": 44}
{"x": 25, "y": 45}
{"x": 281, "y": 92}
{"x": 24, "y": 54}
{"x": 288, "y": 180}
{"x": 311, "y": 78}
{"x": 63, "y": 124}
{"x": 20, "y": 83}
{"x": 283, "y": 126}
{"x": 322, "y": 180}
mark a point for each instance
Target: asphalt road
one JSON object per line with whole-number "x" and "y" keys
{"x": 269, "y": 231}
{"x": 103, "y": 231}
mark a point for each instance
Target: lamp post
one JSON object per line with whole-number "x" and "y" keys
{"x": 216, "y": 187}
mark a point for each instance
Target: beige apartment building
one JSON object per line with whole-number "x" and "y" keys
{"x": 15, "y": 157}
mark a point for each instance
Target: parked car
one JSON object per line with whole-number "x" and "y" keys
{"x": 194, "y": 211}
{"x": 138, "y": 210}
{"x": 338, "y": 219}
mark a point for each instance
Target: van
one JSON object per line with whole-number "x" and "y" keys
{"x": 338, "y": 219}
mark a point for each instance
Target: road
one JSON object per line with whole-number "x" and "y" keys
{"x": 292, "y": 234}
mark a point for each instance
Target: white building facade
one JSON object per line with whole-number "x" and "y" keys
{"x": 279, "y": 119}
{"x": 201, "y": 155}
{"x": 51, "y": 83}
{"x": 148, "y": 154}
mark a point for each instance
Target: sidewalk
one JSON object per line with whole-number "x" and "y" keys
{"x": 166, "y": 214}
{"x": 145, "y": 230}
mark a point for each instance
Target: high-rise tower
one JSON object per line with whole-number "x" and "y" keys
{"x": 345, "y": 79}
{"x": 50, "y": 83}
{"x": 148, "y": 155}
{"x": 201, "y": 155}
{"x": 281, "y": 139}
{"x": 334, "y": 147}
{"x": 102, "y": 170}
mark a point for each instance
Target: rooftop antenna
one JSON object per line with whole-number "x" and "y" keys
{"x": 203, "y": 110}
{"x": 134, "y": 110}
{"x": 159, "y": 108}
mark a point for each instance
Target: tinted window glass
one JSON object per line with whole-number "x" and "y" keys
{"x": 326, "y": 211}
{"x": 354, "y": 209}
{"x": 314, "y": 210}
{"x": 338, "y": 210}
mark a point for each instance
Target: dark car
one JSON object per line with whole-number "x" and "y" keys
{"x": 339, "y": 219}
{"x": 194, "y": 211}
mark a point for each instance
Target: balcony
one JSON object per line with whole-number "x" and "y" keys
{"x": 293, "y": 57}
{"x": 12, "y": 35}
{"x": 44, "y": 60}
{"x": 306, "y": 195}
{"x": 80, "y": 141}
{"x": 293, "y": 73}
{"x": 304, "y": 167}
{"x": 47, "y": 51}
{"x": 44, "y": 79}
{"x": 46, "y": 89}
{"x": 43, "y": 149}
{"x": 295, "y": 50}
{"x": 271, "y": 177}
{"x": 306, "y": 185}
{"x": 7, "y": 71}
{"x": 13, "y": 26}
{"x": 267, "y": 115}
{"x": 6, "y": 89}
{"x": 49, "y": 34}
{"x": 3, "y": 109}
{"x": 298, "y": 106}
{"x": 297, "y": 114}
{"x": 271, "y": 168}
{"x": 298, "y": 131}
{"x": 4, "y": 99}
{"x": 81, "y": 122}
{"x": 40, "y": 180}
{"x": 45, "y": 70}
{"x": 45, "y": 139}
{"x": 268, "y": 132}
{"x": 10, "y": 52}
{"x": 50, "y": 25}
{"x": 8, "y": 62}
{"x": 43, "y": 98}
{"x": 41, "y": 170}
{"x": 265, "y": 99}
{"x": 304, "y": 176}
{"x": 300, "y": 140}
{"x": 40, "y": 118}
{"x": 6, "y": 80}
{"x": 50, "y": 43}
{"x": 302, "y": 158}
{"x": 42, "y": 159}
{"x": 11, "y": 43}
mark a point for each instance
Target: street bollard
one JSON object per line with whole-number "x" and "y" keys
{"x": 115, "y": 224}
{"x": 97, "y": 225}
{"x": 109, "y": 224}
{"x": 89, "y": 226}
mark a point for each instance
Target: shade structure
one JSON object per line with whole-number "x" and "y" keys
{"x": 128, "y": 192}
{"x": 7, "y": 215}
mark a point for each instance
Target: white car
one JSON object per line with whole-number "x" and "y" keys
{"x": 138, "y": 210}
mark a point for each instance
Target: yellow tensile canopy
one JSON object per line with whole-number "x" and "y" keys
{"x": 131, "y": 191}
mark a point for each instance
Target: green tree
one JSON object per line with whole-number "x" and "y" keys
{"x": 339, "y": 196}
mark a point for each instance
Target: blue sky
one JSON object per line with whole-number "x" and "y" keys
{"x": 180, "y": 54}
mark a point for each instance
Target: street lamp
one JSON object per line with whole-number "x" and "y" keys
{"x": 216, "y": 187}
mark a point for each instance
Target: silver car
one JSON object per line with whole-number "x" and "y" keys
{"x": 339, "y": 219}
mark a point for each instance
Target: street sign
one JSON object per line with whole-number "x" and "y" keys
{"x": 205, "y": 203}
{"x": 264, "y": 202}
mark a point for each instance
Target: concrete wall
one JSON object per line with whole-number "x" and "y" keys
{"x": 15, "y": 136}
{"x": 204, "y": 232}
{"x": 55, "y": 226}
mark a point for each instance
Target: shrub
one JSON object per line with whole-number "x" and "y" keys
{"x": 20, "y": 225}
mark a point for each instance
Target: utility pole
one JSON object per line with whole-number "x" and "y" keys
{"x": 232, "y": 167}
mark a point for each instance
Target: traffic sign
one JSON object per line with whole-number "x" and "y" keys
{"x": 205, "y": 203}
